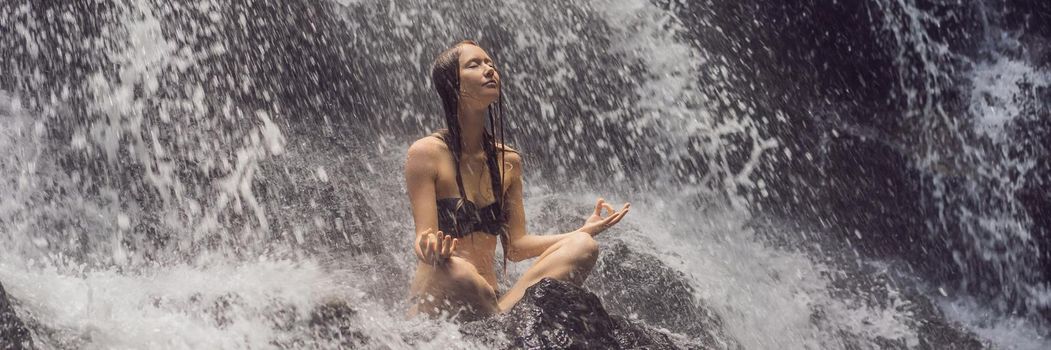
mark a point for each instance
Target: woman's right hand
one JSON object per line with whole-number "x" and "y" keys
{"x": 598, "y": 223}
{"x": 436, "y": 249}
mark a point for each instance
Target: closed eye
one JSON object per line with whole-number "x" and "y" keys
{"x": 474, "y": 63}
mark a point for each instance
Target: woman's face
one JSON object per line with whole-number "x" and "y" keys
{"x": 479, "y": 81}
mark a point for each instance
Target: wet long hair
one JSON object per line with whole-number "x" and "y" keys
{"x": 445, "y": 74}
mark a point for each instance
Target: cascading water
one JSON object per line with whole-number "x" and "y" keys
{"x": 981, "y": 136}
{"x": 210, "y": 174}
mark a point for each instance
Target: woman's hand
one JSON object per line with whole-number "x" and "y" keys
{"x": 597, "y": 223}
{"x": 437, "y": 249}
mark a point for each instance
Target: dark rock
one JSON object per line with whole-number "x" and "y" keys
{"x": 222, "y": 309}
{"x": 1033, "y": 19}
{"x": 638, "y": 284}
{"x": 13, "y": 333}
{"x": 334, "y": 322}
{"x": 558, "y": 315}
{"x": 937, "y": 332}
{"x": 880, "y": 288}
{"x": 554, "y": 314}
{"x": 635, "y": 335}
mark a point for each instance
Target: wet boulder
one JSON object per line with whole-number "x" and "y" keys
{"x": 335, "y": 323}
{"x": 879, "y": 289}
{"x": 642, "y": 286}
{"x": 13, "y": 333}
{"x": 558, "y": 315}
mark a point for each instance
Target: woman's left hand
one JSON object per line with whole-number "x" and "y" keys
{"x": 597, "y": 223}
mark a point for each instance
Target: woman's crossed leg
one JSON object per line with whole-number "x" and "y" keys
{"x": 455, "y": 287}
{"x": 570, "y": 259}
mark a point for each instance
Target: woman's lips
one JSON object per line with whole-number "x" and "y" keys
{"x": 491, "y": 83}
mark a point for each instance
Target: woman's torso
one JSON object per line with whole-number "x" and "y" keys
{"x": 477, "y": 247}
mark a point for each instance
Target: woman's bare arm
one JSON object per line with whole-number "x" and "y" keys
{"x": 526, "y": 246}
{"x": 522, "y": 245}
{"x": 420, "y": 177}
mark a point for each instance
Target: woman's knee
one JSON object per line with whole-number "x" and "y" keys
{"x": 461, "y": 275}
{"x": 585, "y": 245}
{"x": 456, "y": 283}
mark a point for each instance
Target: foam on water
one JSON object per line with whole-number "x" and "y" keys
{"x": 222, "y": 305}
{"x": 996, "y": 92}
{"x": 1004, "y": 78}
{"x": 1004, "y": 332}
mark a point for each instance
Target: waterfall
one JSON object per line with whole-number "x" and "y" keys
{"x": 206, "y": 174}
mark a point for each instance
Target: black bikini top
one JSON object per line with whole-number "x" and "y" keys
{"x": 469, "y": 217}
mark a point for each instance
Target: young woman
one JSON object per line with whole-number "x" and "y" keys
{"x": 466, "y": 194}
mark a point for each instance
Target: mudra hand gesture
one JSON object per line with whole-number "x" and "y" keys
{"x": 597, "y": 223}
{"x": 437, "y": 248}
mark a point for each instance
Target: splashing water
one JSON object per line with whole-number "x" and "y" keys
{"x": 208, "y": 174}
{"x": 979, "y": 156}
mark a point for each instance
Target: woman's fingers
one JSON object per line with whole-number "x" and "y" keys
{"x": 616, "y": 216}
{"x": 422, "y": 242}
{"x": 429, "y": 252}
{"x": 597, "y": 223}
{"x": 623, "y": 211}
{"x": 425, "y": 244}
{"x": 620, "y": 216}
{"x": 439, "y": 243}
{"x": 450, "y": 247}
{"x": 447, "y": 243}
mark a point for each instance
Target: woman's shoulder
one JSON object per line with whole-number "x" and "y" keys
{"x": 512, "y": 160}
{"x": 508, "y": 148}
{"x": 510, "y": 153}
{"x": 429, "y": 142}
{"x": 428, "y": 147}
